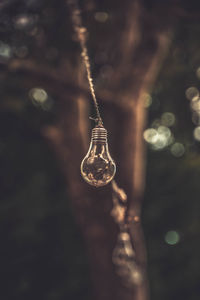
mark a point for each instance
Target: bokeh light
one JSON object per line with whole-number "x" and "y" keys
{"x": 168, "y": 119}
{"x": 38, "y": 95}
{"x": 156, "y": 123}
{"x": 24, "y": 22}
{"x": 195, "y": 104}
{"x": 198, "y": 72}
{"x": 150, "y": 135}
{"x": 48, "y": 104}
{"x": 177, "y": 149}
{"x": 172, "y": 237}
{"x": 196, "y": 133}
{"x": 196, "y": 118}
{"x": 136, "y": 276}
{"x": 101, "y": 16}
{"x": 42, "y": 31}
{"x": 164, "y": 131}
{"x": 40, "y": 98}
{"x": 158, "y": 138}
{"x": 191, "y": 93}
{"x": 161, "y": 143}
{"x": 5, "y": 50}
{"x": 147, "y": 100}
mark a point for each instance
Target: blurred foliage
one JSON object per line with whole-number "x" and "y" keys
{"x": 42, "y": 252}
{"x": 172, "y": 184}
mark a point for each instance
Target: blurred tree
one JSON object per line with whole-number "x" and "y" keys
{"x": 40, "y": 56}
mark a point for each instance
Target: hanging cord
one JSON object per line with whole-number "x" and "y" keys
{"x": 81, "y": 34}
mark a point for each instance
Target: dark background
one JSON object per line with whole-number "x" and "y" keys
{"x": 42, "y": 253}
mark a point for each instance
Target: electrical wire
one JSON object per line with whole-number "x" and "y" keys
{"x": 81, "y": 32}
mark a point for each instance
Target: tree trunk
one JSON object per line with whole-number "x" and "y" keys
{"x": 124, "y": 119}
{"x": 140, "y": 47}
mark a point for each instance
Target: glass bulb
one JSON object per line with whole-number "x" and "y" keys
{"x": 98, "y": 168}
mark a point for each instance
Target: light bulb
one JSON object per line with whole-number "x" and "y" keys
{"x": 97, "y": 167}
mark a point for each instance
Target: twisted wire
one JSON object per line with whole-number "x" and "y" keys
{"x": 81, "y": 35}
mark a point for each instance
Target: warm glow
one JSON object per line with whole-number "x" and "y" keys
{"x": 23, "y": 22}
{"x": 38, "y": 95}
{"x": 159, "y": 138}
{"x": 97, "y": 167}
{"x": 150, "y": 135}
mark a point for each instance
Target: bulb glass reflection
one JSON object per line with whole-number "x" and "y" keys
{"x": 98, "y": 168}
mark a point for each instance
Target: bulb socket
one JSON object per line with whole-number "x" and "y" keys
{"x": 99, "y": 134}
